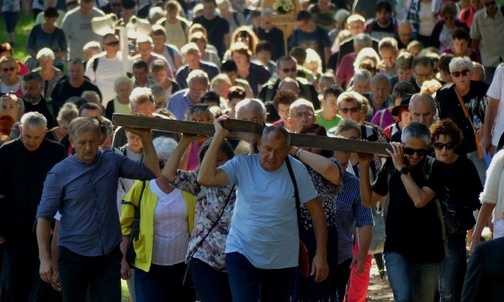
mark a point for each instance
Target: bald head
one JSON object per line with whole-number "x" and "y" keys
{"x": 251, "y": 110}
{"x": 422, "y": 109}
{"x": 289, "y": 84}
{"x": 405, "y": 32}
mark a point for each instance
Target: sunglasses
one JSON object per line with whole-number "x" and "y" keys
{"x": 490, "y": 3}
{"x": 286, "y": 70}
{"x": 115, "y": 43}
{"x": 458, "y": 73}
{"x": 9, "y": 69}
{"x": 439, "y": 146}
{"x": 116, "y": 4}
{"x": 352, "y": 110}
{"x": 411, "y": 151}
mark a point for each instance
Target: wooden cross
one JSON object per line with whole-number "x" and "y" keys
{"x": 301, "y": 140}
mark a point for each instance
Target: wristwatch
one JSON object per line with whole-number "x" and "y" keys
{"x": 404, "y": 170}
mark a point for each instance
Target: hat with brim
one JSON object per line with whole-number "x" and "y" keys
{"x": 404, "y": 104}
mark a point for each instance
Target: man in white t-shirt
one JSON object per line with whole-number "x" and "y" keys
{"x": 103, "y": 69}
{"x": 263, "y": 242}
{"x": 77, "y": 27}
{"x": 495, "y": 93}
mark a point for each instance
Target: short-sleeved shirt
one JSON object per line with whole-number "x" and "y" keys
{"x": 325, "y": 123}
{"x": 495, "y": 91}
{"x": 316, "y": 40}
{"x": 413, "y": 232}
{"x": 264, "y": 226}
{"x": 216, "y": 29}
{"x": 490, "y": 32}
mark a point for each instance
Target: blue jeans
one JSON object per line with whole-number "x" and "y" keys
{"x": 451, "y": 269}
{"x": 100, "y": 275}
{"x": 411, "y": 281}
{"x": 162, "y": 283}
{"x": 211, "y": 285}
{"x": 249, "y": 283}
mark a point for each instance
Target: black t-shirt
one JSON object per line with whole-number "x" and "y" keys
{"x": 476, "y": 103}
{"x": 413, "y": 232}
{"x": 22, "y": 179}
{"x": 216, "y": 29}
{"x": 63, "y": 92}
{"x": 47, "y": 109}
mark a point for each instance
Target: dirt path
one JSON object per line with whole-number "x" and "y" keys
{"x": 379, "y": 290}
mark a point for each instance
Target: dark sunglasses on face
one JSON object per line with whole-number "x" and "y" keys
{"x": 490, "y": 3}
{"x": 116, "y": 4}
{"x": 411, "y": 151}
{"x": 352, "y": 110}
{"x": 439, "y": 146}
{"x": 115, "y": 43}
{"x": 458, "y": 73}
{"x": 286, "y": 70}
{"x": 9, "y": 69}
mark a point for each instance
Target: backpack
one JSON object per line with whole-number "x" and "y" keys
{"x": 440, "y": 205}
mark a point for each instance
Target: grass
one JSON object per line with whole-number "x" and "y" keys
{"x": 22, "y": 31}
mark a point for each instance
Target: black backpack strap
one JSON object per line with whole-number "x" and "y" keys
{"x": 296, "y": 191}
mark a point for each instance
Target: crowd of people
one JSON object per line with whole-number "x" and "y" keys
{"x": 85, "y": 203}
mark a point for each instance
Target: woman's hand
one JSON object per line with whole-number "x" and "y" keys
{"x": 125, "y": 270}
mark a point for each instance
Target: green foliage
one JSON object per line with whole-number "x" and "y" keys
{"x": 22, "y": 31}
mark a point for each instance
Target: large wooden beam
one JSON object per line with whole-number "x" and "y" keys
{"x": 301, "y": 140}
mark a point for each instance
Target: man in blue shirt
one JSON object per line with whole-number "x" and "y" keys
{"x": 83, "y": 188}
{"x": 185, "y": 98}
{"x": 263, "y": 242}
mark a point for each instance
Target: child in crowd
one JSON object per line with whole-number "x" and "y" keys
{"x": 328, "y": 117}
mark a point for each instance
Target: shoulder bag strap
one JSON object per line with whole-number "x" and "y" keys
{"x": 136, "y": 216}
{"x": 296, "y": 192}
{"x": 213, "y": 225}
{"x": 466, "y": 113}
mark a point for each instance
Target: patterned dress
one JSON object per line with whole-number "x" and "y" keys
{"x": 209, "y": 204}
{"x": 309, "y": 290}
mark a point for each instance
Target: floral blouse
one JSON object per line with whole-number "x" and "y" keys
{"x": 327, "y": 193}
{"x": 209, "y": 204}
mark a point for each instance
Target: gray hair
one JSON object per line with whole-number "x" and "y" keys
{"x": 84, "y": 124}
{"x": 251, "y": 104}
{"x": 158, "y": 90}
{"x": 267, "y": 12}
{"x": 461, "y": 62}
{"x": 140, "y": 95}
{"x": 91, "y": 97}
{"x": 122, "y": 80}
{"x": 107, "y": 125}
{"x": 379, "y": 77}
{"x": 67, "y": 113}
{"x": 45, "y": 52}
{"x": 362, "y": 75}
{"x": 33, "y": 120}
{"x": 363, "y": 40}
{"x": 416, "y": 130}
{"x": 164, "y": 147}
{"x": 278, "y": 131}
{"x": 197, "y": 74}
{"x": 144, "y": 39}
{"x": 345, "y": 125}
{"x": 301, "y": 102}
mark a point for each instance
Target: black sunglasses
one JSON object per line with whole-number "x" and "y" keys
{"x": 9, "y": 68}
{"x": 490, "y": 3}
{"x": 289, "y": 69}
{"x": 352, "y": 110}
{"x": 458, "y": 73}
{"x": 115, "y": 43}
{"x": 411, "y": 151}
{"x": 440, "y": 146}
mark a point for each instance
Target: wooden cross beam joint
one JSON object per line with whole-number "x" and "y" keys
{"x": 301, "y": 140}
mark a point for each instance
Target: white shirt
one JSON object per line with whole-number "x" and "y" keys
{"x": 106, "y": 73}
{"x": 495, "y": 91}
{"x": 171, "y": 236}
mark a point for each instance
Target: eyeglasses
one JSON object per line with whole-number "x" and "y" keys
{"x": 458, "y": 73}
{"x": 286, "y": 70}
{"x": 439, "y": 146}
{"x": 112, "y": 44}
{"x": 492, "y": 3}
{"x": 307, "y": 114}
{"x": 9, "y": 69}
{"x": 411, "y": 151}
{"x": 352, "y": 110}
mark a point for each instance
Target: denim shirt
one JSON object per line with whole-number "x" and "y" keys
{"x": 85, "y": 195}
